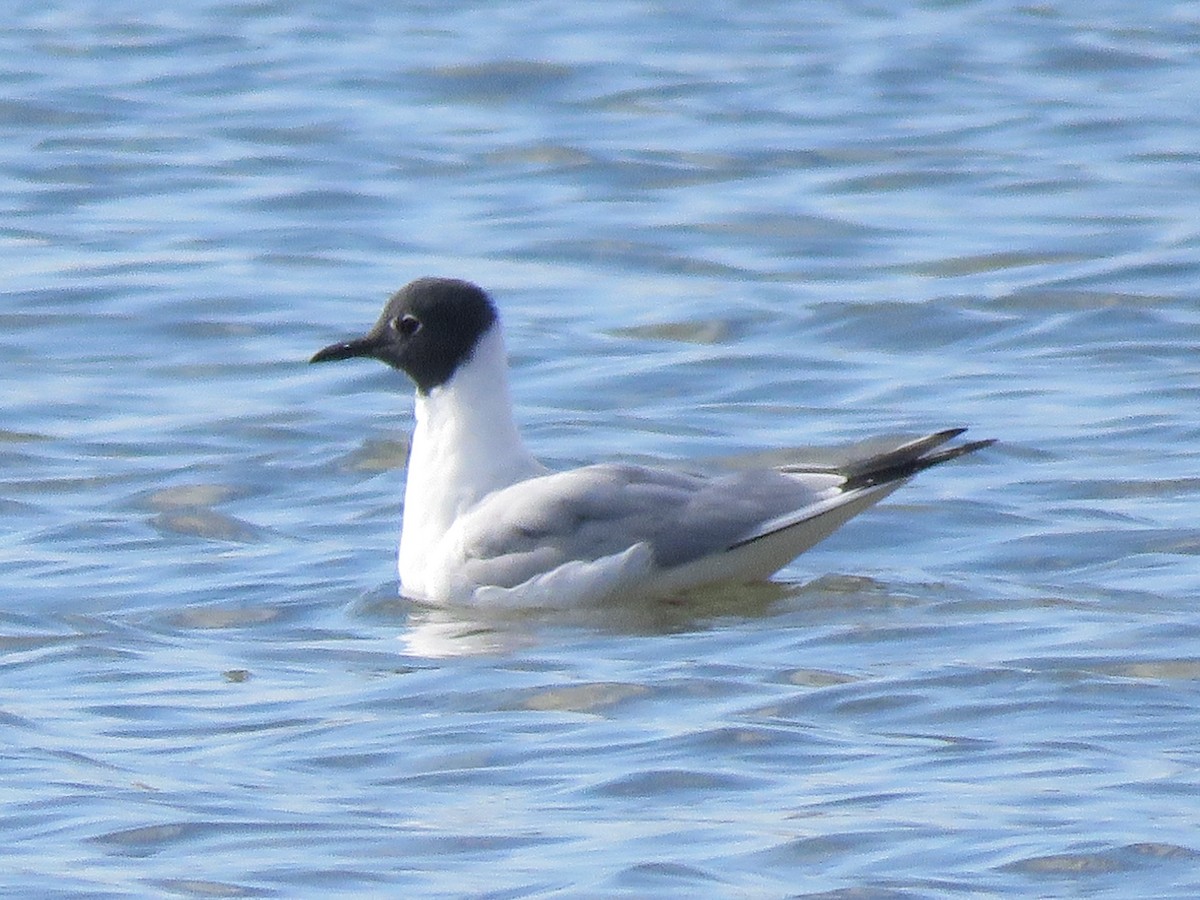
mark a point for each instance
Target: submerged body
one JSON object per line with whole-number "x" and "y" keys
{"x": 485, "y": 523}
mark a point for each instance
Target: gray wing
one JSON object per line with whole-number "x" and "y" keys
{"x": 598, "y": 511}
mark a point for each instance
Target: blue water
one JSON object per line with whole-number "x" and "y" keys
{"x": 715, "y": 230}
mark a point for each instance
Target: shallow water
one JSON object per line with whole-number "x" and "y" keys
{"x": 714, "y": 233}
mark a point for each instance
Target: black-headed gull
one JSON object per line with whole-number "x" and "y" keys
{"x": 485, "y": 523}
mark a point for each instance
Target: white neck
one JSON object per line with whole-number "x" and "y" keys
{"x": 464, "y": 447}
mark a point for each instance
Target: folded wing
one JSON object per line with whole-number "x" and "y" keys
{"x": 600, "y": 512}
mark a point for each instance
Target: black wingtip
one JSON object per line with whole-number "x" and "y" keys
{"x": 908, "y": 459}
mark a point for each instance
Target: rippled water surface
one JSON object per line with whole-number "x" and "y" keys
{"x": 715, "y": 230}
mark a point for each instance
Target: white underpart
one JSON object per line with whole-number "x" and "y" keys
{"x": 464, "y": 447}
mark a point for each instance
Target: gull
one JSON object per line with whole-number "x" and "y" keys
{"x": 486, "y": 524}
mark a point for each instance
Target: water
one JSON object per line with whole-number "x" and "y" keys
{"x": 714, "y": 231}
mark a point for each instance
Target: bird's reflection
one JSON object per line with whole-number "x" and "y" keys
{"x": 445, "y": 631}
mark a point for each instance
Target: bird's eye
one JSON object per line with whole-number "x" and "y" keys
{"x": 406, "y": 326}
